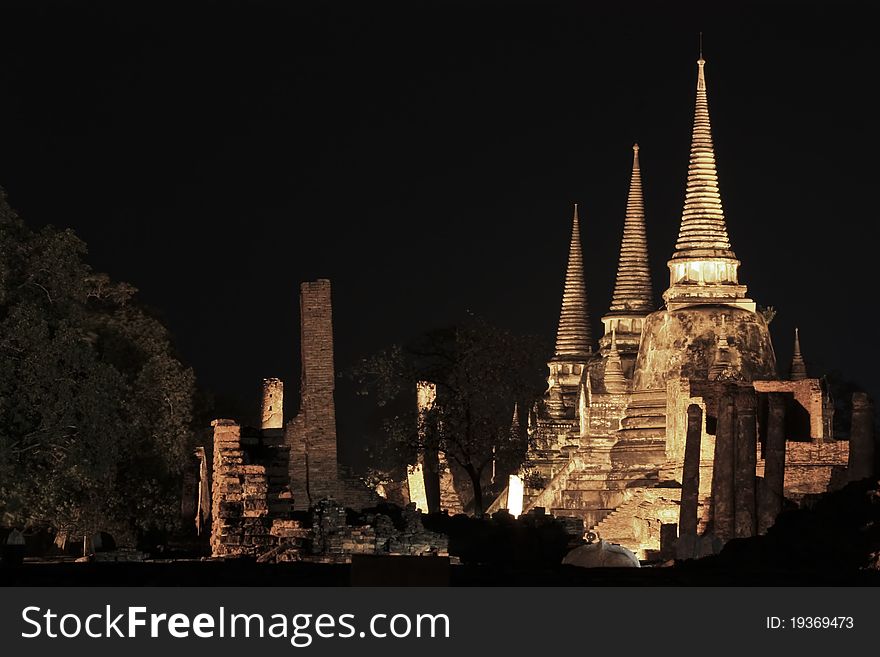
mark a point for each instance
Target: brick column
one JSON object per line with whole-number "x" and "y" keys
{"x": 861, "y": 438}
{"x": 312, "y": 435}
{"x": 745, "y": 459}
{"x": 772, "y": 490}
{"x": 272, "y": 412}
{"x": 723, "y": 471}
{"x": 690, "y": 485}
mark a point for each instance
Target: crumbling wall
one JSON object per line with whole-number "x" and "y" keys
{"x": 809, "y": 396}
{"x": 812, "y": 468}
{"x": 239, "y": 509}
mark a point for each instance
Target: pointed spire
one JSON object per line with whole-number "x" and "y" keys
{"x": 798, "y": 366}
{"x": 615, "y": 381}
{"x": 703, "y": 231}
{"x": 632, "y": 290}
{"x": 515, "y": 428}
{"x": 573, "y": 338}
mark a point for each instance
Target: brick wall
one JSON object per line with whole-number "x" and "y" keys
{"x": 812, "y": 468}
{"x": 239, "y": 508}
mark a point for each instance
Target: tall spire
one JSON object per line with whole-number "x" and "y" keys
{"x": 632, "y": 290}
{"x": 573, "y": 338}
{"x": 798, "y": 366}
{"x": 515, "y": 428}
{"x": 703, "y": 268}
{"x": 703, "y": 232}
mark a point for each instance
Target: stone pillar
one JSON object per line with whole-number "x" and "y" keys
{"x": 745, "y": 460}
{"x": 772, "y": 490}
{"x": 690, "y": 485}
{"x": 272, "y": 415}
{"x": 723, "y": 471}
{"x": 312, "y": 434}
{"x": 861, "y": 438}
{"x": 668, "y": 539}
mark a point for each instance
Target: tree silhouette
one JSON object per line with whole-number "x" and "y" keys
{"x": 95, "y": 410}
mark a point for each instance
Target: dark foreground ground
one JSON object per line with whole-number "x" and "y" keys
{"x": 194, "y": 573}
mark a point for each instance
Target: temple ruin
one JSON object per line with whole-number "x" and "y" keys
{"x": 261, "y": 476}
{"x": 677, "y": 434}
{"x": 669, "y": 437}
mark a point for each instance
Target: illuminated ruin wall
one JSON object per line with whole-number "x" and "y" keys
{"x": 251, "y": 513}
{"x": 241, "y": 525}
{"x": 813, "y": 462}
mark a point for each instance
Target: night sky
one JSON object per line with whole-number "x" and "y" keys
{"x": 425, "y": 156}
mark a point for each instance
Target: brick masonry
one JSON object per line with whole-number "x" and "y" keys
{"x": 311, "y": 435}
{"x": 239, "y": 515}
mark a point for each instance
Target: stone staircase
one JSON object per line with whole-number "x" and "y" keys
{"x": 586, "y": 495}
{"x": 635, "y": 524}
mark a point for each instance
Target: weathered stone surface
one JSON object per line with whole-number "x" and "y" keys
{"x": 682, "y": 343}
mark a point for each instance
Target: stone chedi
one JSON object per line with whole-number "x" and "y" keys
{"x": 573, "y": 337}
{"x": 632, "y": 300}
{"x": 625, "y": 436}
{"x": 798, "y": 366}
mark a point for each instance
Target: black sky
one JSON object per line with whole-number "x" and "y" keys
{"x": 424, "y": 156}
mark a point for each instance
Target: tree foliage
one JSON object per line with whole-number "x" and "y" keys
{"x": 95, "y": 411}
{"x": 480, "y": 372}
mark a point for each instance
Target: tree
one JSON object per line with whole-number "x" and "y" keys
{"x": 95, "y": 410}
{"x": 480, "y": 372}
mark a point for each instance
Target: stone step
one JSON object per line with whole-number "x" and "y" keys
{"x": 590, "y": 516}
{"x": 586, "y": 484}
{"x": 578, "y": 499}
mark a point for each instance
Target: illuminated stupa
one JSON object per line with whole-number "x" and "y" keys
{"x": 573, "y": 335}
{"x": 704, "y": 304}
{"x": 633, "y": 299}
{"x": 704, "y": 289}
{"x": 608, "y": 439}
